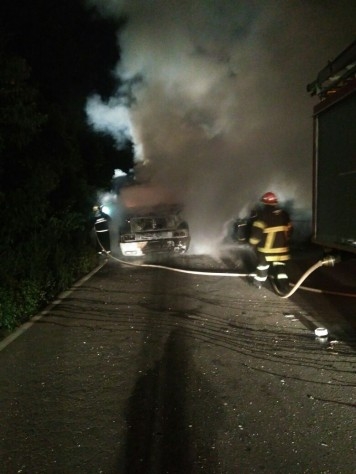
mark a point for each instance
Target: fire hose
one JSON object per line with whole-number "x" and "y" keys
{"x": 328, "y": 261}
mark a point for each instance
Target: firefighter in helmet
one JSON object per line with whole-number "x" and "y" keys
{"x": 270, "y": 234}
{"x": 102, "y": 232}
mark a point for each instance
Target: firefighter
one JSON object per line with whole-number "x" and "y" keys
{"x": 270, "y": 234}
{"x": 102, "y": 232}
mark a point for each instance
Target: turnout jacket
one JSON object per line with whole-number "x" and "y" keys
{"x": 270, "y": 233}
{"x": 101, "y": 222}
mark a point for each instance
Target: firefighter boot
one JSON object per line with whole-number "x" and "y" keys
{"x": 280, "y": 278}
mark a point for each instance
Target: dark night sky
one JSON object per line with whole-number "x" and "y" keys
{"x": 71, "y": 50}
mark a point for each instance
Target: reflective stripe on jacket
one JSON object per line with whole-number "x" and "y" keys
{"x": 101, "y": 224}
{"x": 270, "y": 233}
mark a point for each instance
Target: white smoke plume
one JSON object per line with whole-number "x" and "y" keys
{"x": 213, "y": 96}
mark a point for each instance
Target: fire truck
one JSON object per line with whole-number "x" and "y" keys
{"x": 334, "y": 154}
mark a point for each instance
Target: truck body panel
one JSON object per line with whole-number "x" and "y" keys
{"x": 334, "y": 176}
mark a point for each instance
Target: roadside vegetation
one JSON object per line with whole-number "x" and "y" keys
{"x": 51, "y": 163}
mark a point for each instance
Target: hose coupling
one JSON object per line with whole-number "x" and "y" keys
{"x": 330, "y": 260}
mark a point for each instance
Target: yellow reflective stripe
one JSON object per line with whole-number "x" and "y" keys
{"x": 254, "y": 241}
{"x": 270, "y": 240}
{"x": 277, "y": 250}
{"x": 259, "y": 224}
{"x": 277, "y": 258}
{"x": 280, "y": 228}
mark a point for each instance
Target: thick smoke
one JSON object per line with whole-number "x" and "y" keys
{"x": 213, "y": 96}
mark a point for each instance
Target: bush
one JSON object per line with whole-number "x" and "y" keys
{"x": 39, "y": 269}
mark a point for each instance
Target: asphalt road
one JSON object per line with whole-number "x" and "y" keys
{"x": 151, "y": 371}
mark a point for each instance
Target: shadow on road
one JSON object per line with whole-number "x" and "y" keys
{"x": 161, "y": 428}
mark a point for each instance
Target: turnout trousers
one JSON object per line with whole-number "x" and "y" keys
{"x": 275, "y": 269}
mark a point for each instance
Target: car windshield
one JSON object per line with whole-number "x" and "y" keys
{"x": 153, "y": 223}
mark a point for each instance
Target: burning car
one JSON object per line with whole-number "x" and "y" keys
{"x": 142, "y": 234}
{"x": 151, "y": 222}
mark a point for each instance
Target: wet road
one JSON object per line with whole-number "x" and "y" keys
{"x": 145, "y": 370}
